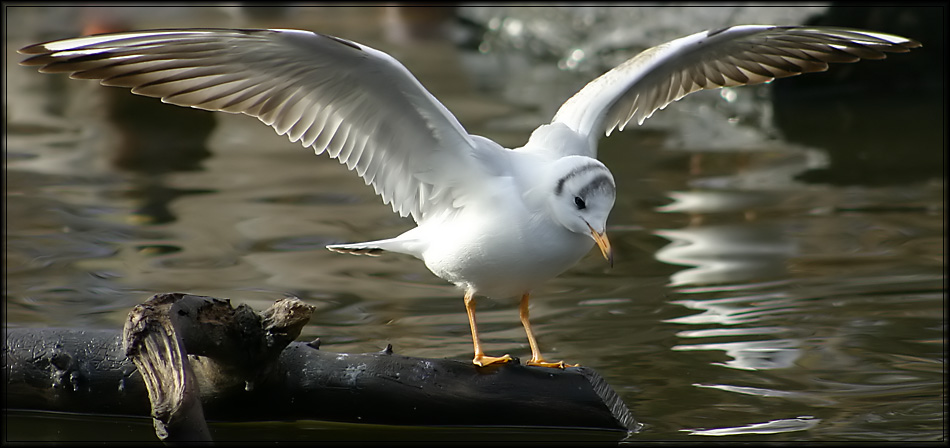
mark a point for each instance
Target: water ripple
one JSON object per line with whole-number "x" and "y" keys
{"x": 753, "y": 355}
{"x": 802, "y": 423}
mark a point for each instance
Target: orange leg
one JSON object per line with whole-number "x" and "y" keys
{"x": 536, "y": 359}
{"x": 480, "y": 358}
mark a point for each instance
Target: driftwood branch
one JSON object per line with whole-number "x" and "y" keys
{"x": 200, "y": 357}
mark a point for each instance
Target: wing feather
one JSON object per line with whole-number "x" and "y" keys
{"x": 353, "y": 102}
{"x": 739, "y": 55}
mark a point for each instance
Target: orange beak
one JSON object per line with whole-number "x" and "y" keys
{"x": 604, "y": 244}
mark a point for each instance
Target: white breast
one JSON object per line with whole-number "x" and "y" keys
{"x": 501, "y": 248}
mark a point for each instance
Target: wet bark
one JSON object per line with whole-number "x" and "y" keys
{"x": 200, "y": 357}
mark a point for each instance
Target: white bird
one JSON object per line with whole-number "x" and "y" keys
{"x": 494, "y": 221}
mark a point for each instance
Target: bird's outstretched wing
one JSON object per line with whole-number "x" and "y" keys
{"x": 357, "y": 104}
{"x": 739, "y": 55}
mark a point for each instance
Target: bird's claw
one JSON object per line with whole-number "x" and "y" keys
{"x": 483, "y": 360}
{"x": 543, "y": 363}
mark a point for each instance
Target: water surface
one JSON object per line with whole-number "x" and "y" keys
{"x": 759, "y": 291}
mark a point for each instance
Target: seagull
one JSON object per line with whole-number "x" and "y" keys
{"x": 495, "y": 222}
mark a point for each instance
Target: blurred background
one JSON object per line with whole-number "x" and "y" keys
{"x": 779, "y": 249}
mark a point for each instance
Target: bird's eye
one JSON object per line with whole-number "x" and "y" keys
{"x": 579, "y": 203}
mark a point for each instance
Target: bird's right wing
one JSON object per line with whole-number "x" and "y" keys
{"x": 734, "y": 56}
{"x": 357, "y": 104}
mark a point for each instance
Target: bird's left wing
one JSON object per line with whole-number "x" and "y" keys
{"x": 734, "y": 56}
{"x": 356, "y": 103}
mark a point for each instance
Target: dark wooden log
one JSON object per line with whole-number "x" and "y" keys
{"x": 392, "y": 389}
{"x": 70, "y": 370}
{"x": 246, "y": 369}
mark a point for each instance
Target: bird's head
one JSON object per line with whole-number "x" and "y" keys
{"x": 581, "y": 197}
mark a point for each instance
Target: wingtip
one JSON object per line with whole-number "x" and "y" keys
{"x": 33, "y": 49}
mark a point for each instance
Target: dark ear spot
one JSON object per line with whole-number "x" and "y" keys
{"x": 579, "y": 203}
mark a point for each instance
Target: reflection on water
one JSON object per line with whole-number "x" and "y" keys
{"x": 771, "y": 427}
{"x": 721, "y": 254}
{"x": 754, "y": 355}
{"x": 748, "y": 301}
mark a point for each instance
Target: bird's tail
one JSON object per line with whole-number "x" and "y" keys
{"x": 400, "y": 244}
{"x": 358, "y": 249}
